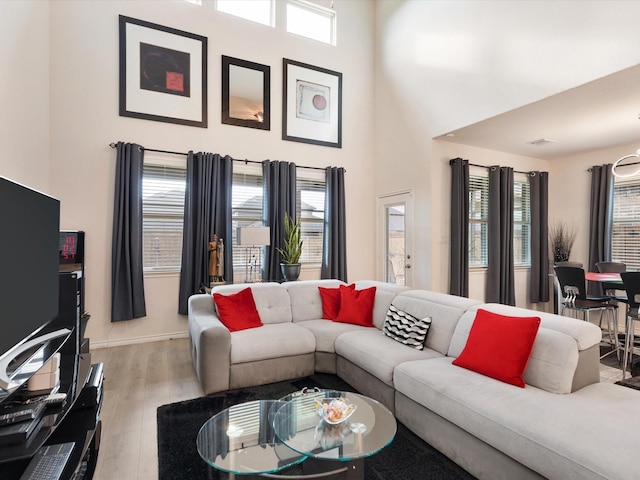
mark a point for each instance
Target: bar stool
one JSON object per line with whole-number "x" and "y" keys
{"x": 573, "y": 286}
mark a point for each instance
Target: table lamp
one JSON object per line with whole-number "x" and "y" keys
{"x": 253, "y": 239}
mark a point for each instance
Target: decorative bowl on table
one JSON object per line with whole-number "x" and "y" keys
{"x": 335, "y": 410}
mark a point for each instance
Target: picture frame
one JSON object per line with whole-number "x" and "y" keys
{"x": 163, "y": 73}
{"x": 246, "y": 93}
{"x": 311, "y": 104}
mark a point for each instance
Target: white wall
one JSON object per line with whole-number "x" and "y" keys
{"x": 24, "y": 93}
{"x": 84, "y": 112}
{"x": 443, "y": 65}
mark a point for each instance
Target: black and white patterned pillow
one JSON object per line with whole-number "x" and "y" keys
{"x": 406, "y": 328}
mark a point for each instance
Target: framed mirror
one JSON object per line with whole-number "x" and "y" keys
{"x": 246, "y": 93}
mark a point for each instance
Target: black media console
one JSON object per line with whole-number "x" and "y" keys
{"x": 78, "y": 419}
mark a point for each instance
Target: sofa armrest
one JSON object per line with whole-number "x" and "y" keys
{"x": 210, "y": 345}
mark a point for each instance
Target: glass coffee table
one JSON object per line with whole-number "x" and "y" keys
{"x": 263, "y": 437}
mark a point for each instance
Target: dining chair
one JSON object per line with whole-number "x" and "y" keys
{"x": 610, "y": 288}
{"x": 631, "y": 281}
{"x": 568, "y": 263}
{"x": 558, "y": 290}
{"x": 574, "y": 297}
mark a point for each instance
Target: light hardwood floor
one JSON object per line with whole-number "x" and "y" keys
{"x": 138, "y": 379}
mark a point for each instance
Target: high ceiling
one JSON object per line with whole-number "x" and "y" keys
{"x": 598, "y": 115}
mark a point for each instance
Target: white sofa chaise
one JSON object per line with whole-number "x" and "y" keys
{"x": 564, "y": 425}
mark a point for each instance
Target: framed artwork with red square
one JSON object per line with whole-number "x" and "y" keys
{"x": 163, "y": 73}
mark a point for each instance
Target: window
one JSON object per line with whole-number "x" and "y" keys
{"x": 310, "y": 194}
{"x": 246, "y": 200}
{"x": 163, "y": 190}
{"x": 260, "y": 11}
{"x": 625, "y": 237}
{"x": 521, "y": 223}
{"x": 478, "y": 221}
{"x": 312, "y": 21}
{"x": 478, "y": 217}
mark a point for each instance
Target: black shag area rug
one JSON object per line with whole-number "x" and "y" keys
{"x": 408, "y": 457}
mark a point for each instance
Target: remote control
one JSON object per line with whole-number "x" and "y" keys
{"x": 8, "y": 416}
{"x": 51, "y": 399}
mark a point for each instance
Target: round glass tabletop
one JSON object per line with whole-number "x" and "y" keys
{"x": 299, "y": 424}
{"x": 241, "y": 440}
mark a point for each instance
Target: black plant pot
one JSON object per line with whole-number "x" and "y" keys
{"x": 290, "y": 272}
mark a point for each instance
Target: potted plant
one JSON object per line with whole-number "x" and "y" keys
{"x": 291, "y": 250}
{"x": 562, "y": 237}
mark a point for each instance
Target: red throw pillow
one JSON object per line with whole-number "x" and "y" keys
{"x": 499, "y": 346}
{"x": 237, "y": 311}
{"x": 356, "y": 306}
{"x": 331, "y": 301}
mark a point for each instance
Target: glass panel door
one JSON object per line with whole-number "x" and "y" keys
{"x": 395, "y": 225}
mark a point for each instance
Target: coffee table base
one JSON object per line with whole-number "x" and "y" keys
{"x": 354, "y": 468}
{"x": 313, "y": 468}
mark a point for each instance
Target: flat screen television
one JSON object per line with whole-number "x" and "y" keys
{"x": 29, "y": 256}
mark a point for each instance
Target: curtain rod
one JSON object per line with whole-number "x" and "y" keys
{"x": 113, "y": 145}
{"x": 493, "y": 166}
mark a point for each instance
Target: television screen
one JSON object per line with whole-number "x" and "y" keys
{"x": 29, "y": 255}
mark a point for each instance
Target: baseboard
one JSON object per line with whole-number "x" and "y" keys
{"x": 136, "y": 340}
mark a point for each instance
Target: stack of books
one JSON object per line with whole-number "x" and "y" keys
{"x": 20, "y": 423}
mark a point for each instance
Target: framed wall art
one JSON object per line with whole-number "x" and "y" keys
{"x": 312, "y": 104}
{"x": 246, "y": 93}
{"x": 163, "y": 73}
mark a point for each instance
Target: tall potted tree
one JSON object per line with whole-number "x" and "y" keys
{"x": 291, "y": 250}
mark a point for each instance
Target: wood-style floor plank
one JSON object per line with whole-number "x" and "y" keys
{"x": 138, "y": 379}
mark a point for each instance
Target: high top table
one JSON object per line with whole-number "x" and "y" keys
{"x": 263, "y": 437}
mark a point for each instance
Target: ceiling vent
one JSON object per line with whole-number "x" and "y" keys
{"x": 540, "y": 142}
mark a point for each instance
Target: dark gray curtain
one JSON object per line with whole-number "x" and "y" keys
{"x": 334, "y": 245}
{"x": 459, "y": 232}
{"x": 279, "y": 183}
{"x": 539, "y": 280}
{"x": 500, "y": 272}
{"x": 127, "y": 279}
{"x": 207, "y": 211}
{"x": 600, "y": 219}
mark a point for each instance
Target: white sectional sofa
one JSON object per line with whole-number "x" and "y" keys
{"x": 564, "y": 425}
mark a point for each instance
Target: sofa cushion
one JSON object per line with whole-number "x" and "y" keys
{"x": 272, "y": 300}
{"x": 559, "y": 436}
{"x": 499, "y": 346}
{"x": 554, "y": 357}
{"x": 385, "y": 294}
{"x": 405, "y": 328}
{"x": 275, "y": 340}
{"x": 331, "y": 301}
{"x": 444, "y": 310}
{"x": 356, "y": 306}
{"x": 326, "y": 332}
{"x": 237, "y": 311}
{"x": 376, "y": 353}
{"x": 306, "y": 303}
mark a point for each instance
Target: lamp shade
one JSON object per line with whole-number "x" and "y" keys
{"x": 254, "y": 236}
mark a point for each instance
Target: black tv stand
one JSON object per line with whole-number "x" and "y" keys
{"x": 77, "y": 421}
